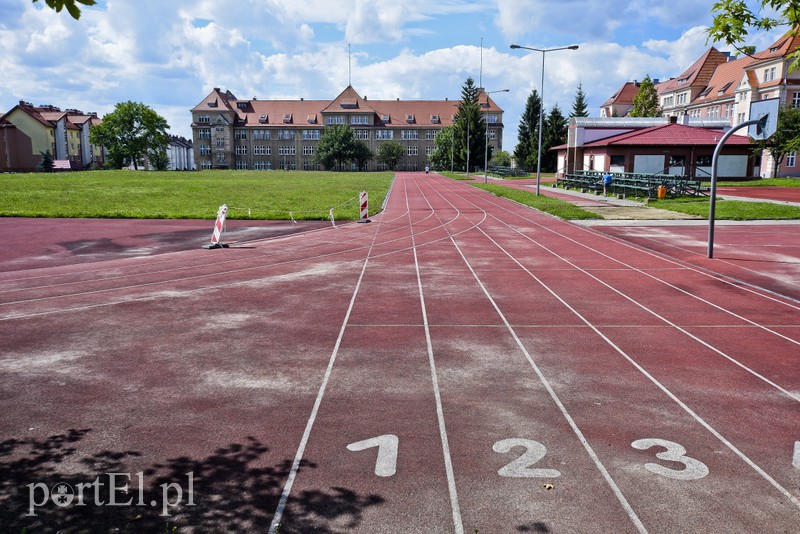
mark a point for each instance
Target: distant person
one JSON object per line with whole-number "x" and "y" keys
{"x": 427, "y": 169}
{"x": 607, "y": 179}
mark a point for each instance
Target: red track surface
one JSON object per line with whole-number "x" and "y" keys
{"x": 785, "y": 194}
{"x": 531, "y": 375}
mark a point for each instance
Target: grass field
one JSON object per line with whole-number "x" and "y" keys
{"x": 190, "y": 195}
{"x": 550, "y": 205}
{"x": 764, "y": 182}
{"x": 729, "y": 209}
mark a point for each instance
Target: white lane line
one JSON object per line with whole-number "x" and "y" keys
{"x": 753, "y": 372}
{"x": 581, "y": 438}
{"x": 287, "y": 488}
{"x": 794, "y": 500}
{"x": 448, "y": 462}
{"x": 741, "y": 285}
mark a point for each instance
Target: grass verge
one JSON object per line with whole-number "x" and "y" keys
{"x": 550, "y": 205}
{"x": 732, "y": 210}
{"x": 190, "y": 195}
{"x": 764, "y": 182}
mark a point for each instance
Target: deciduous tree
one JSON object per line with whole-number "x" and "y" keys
{"x": 73, "y": 9}
{"x": 337, "y": 146}
{"x": 786, "y": 138}
{"x": 734, "y": 19}
{"x": 440, "y": 158}
{"x": 129, "y": 132}
{"x": 390, "y": 153}
{"x": 645, "y": 103}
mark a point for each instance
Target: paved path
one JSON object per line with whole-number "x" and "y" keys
{"x": 461, "y": 364}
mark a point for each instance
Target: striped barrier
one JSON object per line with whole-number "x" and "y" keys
{"x": 364, "y": 203}
{"x": 219, "y": 226}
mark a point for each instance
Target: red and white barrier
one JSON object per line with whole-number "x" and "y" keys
{"x": 219, "y": 226}
{"x": 364, "y": 203}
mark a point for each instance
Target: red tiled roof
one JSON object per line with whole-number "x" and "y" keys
{"x": 669, "y": 135}
{"x": 413, "y": 113}
{"x": 624, "y": 95}
{"x": 698, "y": 73}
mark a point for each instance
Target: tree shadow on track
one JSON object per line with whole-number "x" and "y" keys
{"x": 231, "y": 491}
{"x": 538, "y": 526}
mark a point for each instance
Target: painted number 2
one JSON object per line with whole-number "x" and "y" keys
{"x": 521, "y": 467}
{"x": 693, "y": 469}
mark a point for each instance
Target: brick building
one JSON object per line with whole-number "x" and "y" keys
{"x": 229, "y": 133}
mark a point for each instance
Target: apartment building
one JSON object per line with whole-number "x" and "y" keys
{"x": 229, "y": 133}
{"x": 719, "y": 86}
{"x": 27, "y": 130}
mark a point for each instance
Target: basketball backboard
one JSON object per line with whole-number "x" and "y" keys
{"x": 767, "y": 109}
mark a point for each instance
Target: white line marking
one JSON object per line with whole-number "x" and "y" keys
{"x": 448, "y": 463}
{"x": 794, "y": 500}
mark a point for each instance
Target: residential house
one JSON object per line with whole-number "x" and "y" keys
{"x": 26, "y": 131}
{"x": 181, "y": 154}
{"x": 229, "y": 133}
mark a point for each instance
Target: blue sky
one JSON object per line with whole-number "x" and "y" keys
{"x": 170, "y": 53}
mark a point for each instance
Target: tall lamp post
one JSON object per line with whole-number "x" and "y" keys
{"x": 486, "y": 137}
{"x": 541, "y": 105}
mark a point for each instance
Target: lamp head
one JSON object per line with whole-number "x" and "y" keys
{"x": 514, "y": 46}
{"x": 573, "y": 47}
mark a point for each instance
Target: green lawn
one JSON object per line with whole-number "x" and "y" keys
{"x": 764, "y": 182}
{"x": 733, "y": 210}
{"x": 190, "y": 195}
{"x": 550, "y": 205}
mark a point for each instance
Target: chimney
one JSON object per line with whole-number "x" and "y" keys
{"x": 216, "y": 89}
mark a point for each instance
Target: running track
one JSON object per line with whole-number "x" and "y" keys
{"x": 460, "y": 364}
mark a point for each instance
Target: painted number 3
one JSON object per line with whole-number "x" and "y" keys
{"x": 692, "y": 469}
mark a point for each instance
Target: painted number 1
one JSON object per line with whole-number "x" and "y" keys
{"x": 386, "y": 464}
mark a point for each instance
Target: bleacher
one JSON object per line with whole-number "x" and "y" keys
{"x": 633, "y": 184}
{"x": 507, "y": 171}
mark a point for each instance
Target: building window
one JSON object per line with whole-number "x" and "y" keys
{"x": 681, "y": 98}
{"x": 311, "y": 135}
{"x": 336, "y": 119}
{"x": 205, "y": 165}
{"x": 205, "y": 133}
{"x": 241, "y": 150}
{"x": 384, "y": 134}
{"x": 220, "y": 158}
{"x": 308, "y": 150}
{"x": 492, "y": 134}
{"x": 241, "y": 165}
{"x": 240, "y": 134}
{"x": 412, "y": 151}
{"x": 286, "y": 134}
{"x": 260, "y": 134}
{"x": 739, "y": 118}
{"x": 429, "y": 150}
{"x": 769, "y": 74}
{"x": 205, "y": 150}
{"x": 796, "y": 100}
{"x": 617, "y": 161}
{"x": 221, "y": 142}
{"x": 359, "y": 119}
{"x": 362, "y": 135}
{"x": 790, "y": 157}
{"x": 205, "y": 119}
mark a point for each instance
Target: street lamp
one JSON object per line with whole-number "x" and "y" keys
{"x": 486, "y": 137}
{"x": 541, "y": 105}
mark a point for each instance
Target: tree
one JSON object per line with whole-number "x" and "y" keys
{"x": 443, "y": 143}
{"x": 73, "y": 10}
{"x": 579, "y": 106}
{"x": 733, "y": 20}
{"x": 554, "y": 133}
{"x": 362, "y": 154}
{"x": 528, "y": 133}
{"x": 469, "y": 128}
{"x": 501, "y": 158}
{"x": 645, "y": 103}
{"x": 129, "y": 132}
{"x": 337, "y": 146}
{"x": 158, "y": 158}
{"x": 785, "y": 139}
{"x": 390, "y": 153}
{"x": 46, "y": 163}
